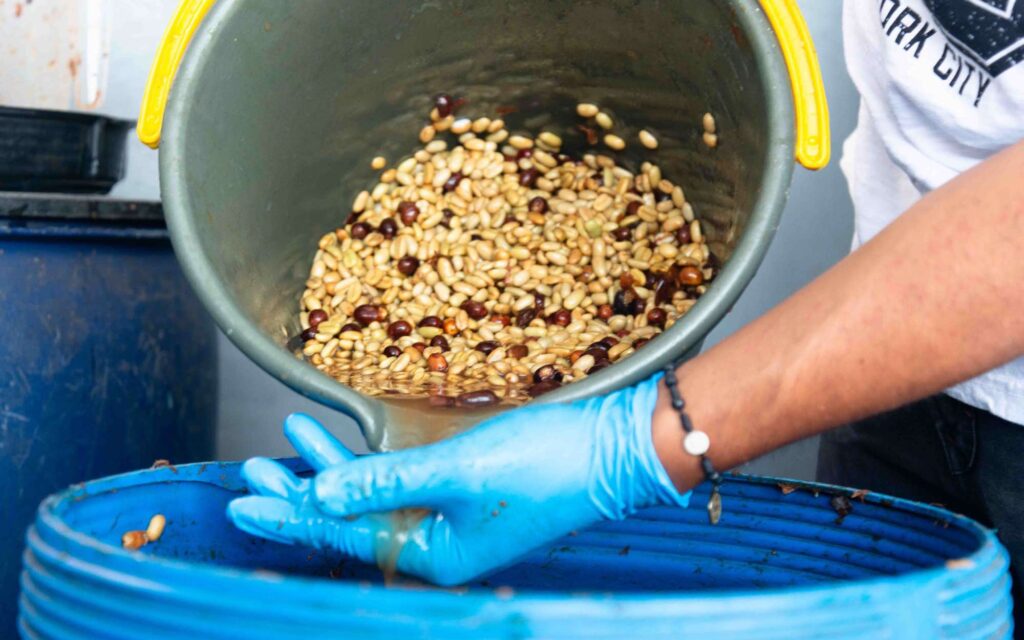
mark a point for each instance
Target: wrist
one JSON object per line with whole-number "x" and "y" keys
{"x": 667, "y": 434}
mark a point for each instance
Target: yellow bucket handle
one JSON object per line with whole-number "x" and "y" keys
{"x": 813, "y": 141}
{"x": 179, "y": 33}
{"x": 813, "y": 137}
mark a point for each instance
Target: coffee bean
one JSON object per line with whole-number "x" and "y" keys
{"x": 525, "y": 317}
{"x": 529, "y": 177}
{"x": 316, "y": 316}
{"x": 683, "y": 234}
{"x": 308, "y": 334}
{"x": 518, "y": 351}
{"x": 452, "y": 183}
{"x": 538, "y": 204}
{"x": 398, "y": 329}
{"x": 482, "y": 398}
{"x": 407, "y": 265}
{"x": 605, "y": 311}
{"x": 444, "y": 105}
{"x": 544, "y": 373}
{"x": 450, "y": 327}
{"x": 360, "y": 230}
{"x": 388, "y": 227}
{"x": 439, "y": 342}
{"x": 487, "y": 346}
{"x": 408, "y": 212}
{"x": 392, "y": 351}
{"x": 657, "y": 317}
{"x": 474, "y": 309}
{"x": 540, "y": 388}
{"x": 431, "y": 321}
{"x": 436, "y": 362}
{"x": 364, "y": 314}
{"x": 690, "y": 276}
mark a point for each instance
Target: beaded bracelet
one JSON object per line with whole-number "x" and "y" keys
{"x": 696, "y": 443}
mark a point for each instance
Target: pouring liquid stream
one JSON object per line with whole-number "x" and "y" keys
{"x": 415, "y": 423}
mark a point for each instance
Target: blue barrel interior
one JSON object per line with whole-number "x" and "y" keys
{"x": 779, "y": 564}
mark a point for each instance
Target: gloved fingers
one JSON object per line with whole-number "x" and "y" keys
{"x": 383, "y": 482}
{"x": 284, "y": 522}
{"x": 268, "y": 478}
{"x": 314, "y": 443}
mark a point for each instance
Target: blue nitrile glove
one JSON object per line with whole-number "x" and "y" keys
{"x": 512, "y": 483}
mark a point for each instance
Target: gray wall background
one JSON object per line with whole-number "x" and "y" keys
{"x": 815, "y": 231}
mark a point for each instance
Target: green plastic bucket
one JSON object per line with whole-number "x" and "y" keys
{"x": 277, "y": 108}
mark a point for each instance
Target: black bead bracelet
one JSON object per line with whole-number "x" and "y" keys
{"x": 695, "y": 443}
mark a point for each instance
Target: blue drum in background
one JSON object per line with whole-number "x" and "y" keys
{"x": 107, "y": 363}
{"x": 785, "y": 562}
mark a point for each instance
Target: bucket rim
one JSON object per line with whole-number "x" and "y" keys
{"x": 683, "y": 338}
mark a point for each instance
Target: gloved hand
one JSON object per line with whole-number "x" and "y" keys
{"x": 493, "y": 493}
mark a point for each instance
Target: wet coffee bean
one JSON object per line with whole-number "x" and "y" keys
{"x": 683, "y": 234}
{"x": 407, "y": 265}
{"x": 360, "y": 230}
{"x": 637, "y": 307}
{"x": 540, "y": 388}
{"x": 440, "y": 342}
{"x": 453, "y": 182}
{"x": 388, "y": 227}
{"x": 622, "y": 304}
{"x": 529, "y": 177}
{"x": 431, "y": 321}
{"x": 398, "y": 329}
{"x": 444, "y": 105}
{"x": 518, "y": 351}
{"x": 451, "y": 327}
{"x": 657, "y": 317}
{"x": 391, "y": 351}
{"x": 437, "y": 362}
{"x": 633, "y": 207}
{"x": 597, "y": 352}
{"x": 690, "y": 276}
{"x": 474, "y": 309}
{"x": 525, "y": 317}
{"x": 420, "y": 346}
{"x": 539, "y": 204}
{"x": 308, "y": 334}
{"x": 545, "y": 373}
{"x": 622, "y": 234}
{"x": 364, "y": 314}
{"x": 487, "y": 346}
{"x": 351, "y": 326}
{"x": 605, "y": 311}
{"x": 484, "y": 398}
{"x": 408, "y": 212}
{"x": 316, "y": 316}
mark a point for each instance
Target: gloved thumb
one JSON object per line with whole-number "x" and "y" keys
{"x": 382, "y": 482}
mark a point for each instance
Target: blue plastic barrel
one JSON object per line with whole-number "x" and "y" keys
{"x": 783, "y": 565}
{"x": 107, "y": 359}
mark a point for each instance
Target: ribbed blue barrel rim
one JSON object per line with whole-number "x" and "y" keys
{"x": 74, "y": 583}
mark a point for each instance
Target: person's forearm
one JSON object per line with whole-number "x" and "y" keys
{"x": 936, "y": 298}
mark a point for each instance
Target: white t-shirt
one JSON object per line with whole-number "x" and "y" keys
{"x": 942, "y": 89}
